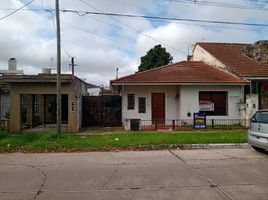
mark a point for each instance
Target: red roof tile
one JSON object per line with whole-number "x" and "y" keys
{"x": 265, "y": 65}
{"x": 182, "y": 72}
{"x": 232, "y": 56}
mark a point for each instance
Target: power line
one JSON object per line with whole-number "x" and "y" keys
{"x": 221, "y": 4}
{"x": 25, "y": 9}
{"x": 126, "y": 4}
{"x": 142, "y": 17}
{"x": 17, "y": 10}
{"x": 82, "y": 13}
{"x": 139, "y": 32}
{"x": 49, "y": 9}
{"x": 130, "y": 30}
{"x": 185, "y": 23}
{"x": 198, "y": 2}
{"x": 62, "y": 43}
{"x": 118, "y": 42}
{"x": 114, "y": 25}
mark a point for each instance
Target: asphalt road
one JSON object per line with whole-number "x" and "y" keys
{"x": 177, "y": 174}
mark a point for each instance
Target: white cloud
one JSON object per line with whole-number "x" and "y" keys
{"x": 100, "y": 44}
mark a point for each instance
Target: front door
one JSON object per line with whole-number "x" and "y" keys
{"x": 158, "y": 107}
{"x": 50, "y": 109}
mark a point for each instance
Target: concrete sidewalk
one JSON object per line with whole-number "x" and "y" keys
{"x": 178, "y": 174}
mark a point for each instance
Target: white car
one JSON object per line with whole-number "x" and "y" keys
{"x": 258, "y": 130}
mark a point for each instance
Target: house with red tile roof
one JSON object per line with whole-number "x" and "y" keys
{"x": 246, "y": 61}
{"x": 177, "y": 91}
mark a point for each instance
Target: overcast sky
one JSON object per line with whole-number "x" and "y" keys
{"x": 100, "y": 44}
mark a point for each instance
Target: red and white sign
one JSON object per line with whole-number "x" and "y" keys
{"x": 205, "y": 105}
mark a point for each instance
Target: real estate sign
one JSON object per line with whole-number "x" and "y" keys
{"x": 206, "y": 105}
{"x": 199, "y": 120}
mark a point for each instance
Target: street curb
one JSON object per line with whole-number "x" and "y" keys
{"x": 216, "y": 146}
{"x": 194, "y": 146}
{"x": 142, "y": 148}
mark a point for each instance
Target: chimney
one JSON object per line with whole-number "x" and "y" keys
{"x": 46, "y": 71}
{"x": 12, "y": 64}
{"x": 12, "y": 68}
{"x": 189, "y": 57}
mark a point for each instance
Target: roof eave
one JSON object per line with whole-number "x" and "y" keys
{"x": 185, "y": 83}
{"x": 255, "y": 78}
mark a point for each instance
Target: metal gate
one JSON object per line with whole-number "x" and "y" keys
{"x": 105, "y": 110}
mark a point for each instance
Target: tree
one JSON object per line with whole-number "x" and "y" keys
{"x": 155, "y": 57}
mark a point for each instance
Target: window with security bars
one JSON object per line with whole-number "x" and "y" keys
{"x": 36, "y": 105}
{"x": 142, "y": 105}
{"x": 130, "y": 101}
{"x": 5, "y": 106}
{"x": 24, "y": 107}
{"x": 213, "y": 103}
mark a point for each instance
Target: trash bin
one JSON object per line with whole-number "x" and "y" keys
{"x": 134, "y": 124}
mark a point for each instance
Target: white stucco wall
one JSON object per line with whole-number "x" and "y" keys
{"x": 80, "y": 90}
{"x": 252, "y": 105}
{"x": 200, "y": 54}
{"x": 177, "y": 108}
{"x": 171, "y": 102}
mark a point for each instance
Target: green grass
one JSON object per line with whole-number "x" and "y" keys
{"x": 43, "y": 142}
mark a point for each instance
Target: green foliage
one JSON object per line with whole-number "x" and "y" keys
{"x": 52, "y": 137}
{"x": 155, "y": 57}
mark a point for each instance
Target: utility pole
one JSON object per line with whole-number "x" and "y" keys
{"x": 58, "y": 70}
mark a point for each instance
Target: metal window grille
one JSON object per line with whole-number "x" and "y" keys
{"x": 130, "y": 101}
{"x": 142, "y": 105}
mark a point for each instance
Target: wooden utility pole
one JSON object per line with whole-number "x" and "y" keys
{"x": 58, "y": 70}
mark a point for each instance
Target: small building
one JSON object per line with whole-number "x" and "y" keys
{"x": 33, "y": 100}
{"x": 179, "y": 90}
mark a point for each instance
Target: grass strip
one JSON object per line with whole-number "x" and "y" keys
{"x": 50, "y": 142}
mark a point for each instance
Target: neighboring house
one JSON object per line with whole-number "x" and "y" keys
{"x": 247, "y": 61}
{"x": 94, "y": 91}
{"x": 5, "y": 92}
{"x": 30, "y": 100}
{"x": 33, "y": 100}
{"x": 99, "y": 90}
{"x": 178, "y": 90}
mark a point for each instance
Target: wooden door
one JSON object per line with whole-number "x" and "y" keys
{"x": 158, "y": 107}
